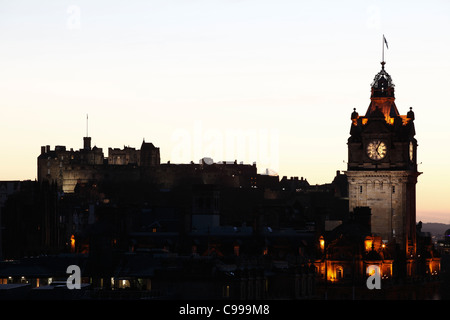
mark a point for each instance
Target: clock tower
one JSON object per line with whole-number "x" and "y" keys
{"x": 382, "y": 165}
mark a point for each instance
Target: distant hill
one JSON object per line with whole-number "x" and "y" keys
{"x": 436, "y": 229}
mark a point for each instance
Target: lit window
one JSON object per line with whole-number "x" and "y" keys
{"x": 72, "y": 243}
{"x": 226, "y": 291}
{"x": 322, "y": 243}
{"x": 124, "y": 284}
{"x": 339, "y": 273}
{"x": 368, "y": 244}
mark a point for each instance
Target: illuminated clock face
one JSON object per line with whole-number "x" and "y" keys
{"x": 376, "y": 150}
{"x": 411, "y": 151}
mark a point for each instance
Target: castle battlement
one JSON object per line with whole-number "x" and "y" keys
{"x": 67, "y": 168}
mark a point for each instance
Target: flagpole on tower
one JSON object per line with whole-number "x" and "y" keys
{"x": 383, "y": 43}
{"x": 87, "y": 125}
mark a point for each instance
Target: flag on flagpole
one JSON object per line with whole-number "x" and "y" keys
{"x": 385, "y": 41}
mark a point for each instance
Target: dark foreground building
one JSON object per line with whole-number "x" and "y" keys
{"x": 201, "y": 231}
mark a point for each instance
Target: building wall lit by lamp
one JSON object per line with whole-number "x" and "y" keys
{"x": 384, "y": 268}
{"x": 374, "y": 243}
{"x": 434, "y": 266}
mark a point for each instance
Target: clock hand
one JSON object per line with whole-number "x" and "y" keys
{"x": 378, "y": 146}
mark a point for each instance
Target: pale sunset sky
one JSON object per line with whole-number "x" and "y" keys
{"x": 249, "y": 80}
